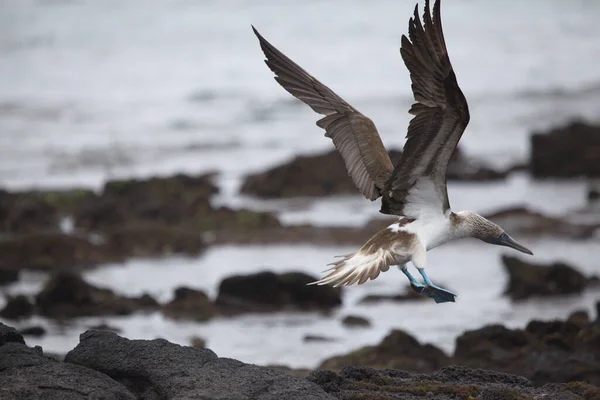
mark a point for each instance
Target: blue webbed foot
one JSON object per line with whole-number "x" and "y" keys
{"x": 438, "y": 294}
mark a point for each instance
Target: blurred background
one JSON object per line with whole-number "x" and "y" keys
{"x": 152, "y": 171}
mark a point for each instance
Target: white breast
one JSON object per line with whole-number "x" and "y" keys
{"x": 432, "y": 232}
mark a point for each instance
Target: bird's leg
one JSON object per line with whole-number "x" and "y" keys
{"x": 416, "y": 285}
{"x": 435, "y": 292}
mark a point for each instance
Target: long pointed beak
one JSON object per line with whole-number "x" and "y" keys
{"x": 506, "y": 240}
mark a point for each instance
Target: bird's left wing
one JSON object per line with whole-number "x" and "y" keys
{"x": 441, "y": 115}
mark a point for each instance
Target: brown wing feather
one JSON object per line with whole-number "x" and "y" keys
{"x": 354, "y": 135}
{"x": 441, "y": 113}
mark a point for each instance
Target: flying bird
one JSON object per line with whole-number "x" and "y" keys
{"x": 415, "y": 188}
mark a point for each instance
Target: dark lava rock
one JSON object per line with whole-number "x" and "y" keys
{"x": 53, "y": 251}
{"x": 266, "y": 291}
{"x": 359, "y": 383}
{"x": 157, "y": 369}
{"x": 23, "y": 213}
{"x": 147, "y": 240}
{"x": 190, "y": 304}
{"x": 8, "y": 276}
{"x": 35, "y": 330}
{"x": 545, "y": 352}
{"x": 317, "y": 338}
{"x": 398, "y": 350}
{"x": 524, "y": 221}
{"x": 171, "y": 200}
{"x": 568, "y": 151}
{"x": 26, "y": 373}
{"x": 67, "y": 295}
{"x": 407, "y": 295}
{"x": 354, "y": 321}
{"x": 325, "y": 174}
{"x": 17, "y": 307}
{"x": 530, "y": 280}
{"x": 8, "y": 334}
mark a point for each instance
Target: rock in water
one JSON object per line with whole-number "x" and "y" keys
{"x": 530, "y": 280}
{"x": 266, "y": 291}
{"x": 398, "y": 350}
{"x": 156, "y": 369}
{"x": 569, "y": 151}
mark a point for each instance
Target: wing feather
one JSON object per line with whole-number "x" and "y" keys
{"x": 441, "y": 114}
{"x": 353, "y": 134}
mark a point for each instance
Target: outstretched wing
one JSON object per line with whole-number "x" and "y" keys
{"x": 353, "y": 134}
{"x": 441, "y": 115}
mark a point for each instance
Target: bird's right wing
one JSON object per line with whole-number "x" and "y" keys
{"x": 354, "y": 135}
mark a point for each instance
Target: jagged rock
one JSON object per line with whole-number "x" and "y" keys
{"x": 524, "y": 221}
{"x": 190, "y": 304}
{"x": 568, "y": 151}
{"x": 266, "y": 291}
{"x": 67, "y": 295}
{"x": 354, "y": 321}
{"x": 17, "y": 307}
{"x": 325, "y": 174}
{"x": 53, "y": 251}
{"x": 8, "y": 276}
{"x": 545, "y": 352}
{"x": 8, "y": 334}
{"x": 454, "y": 382}
{"x": 398, "y": 350}
{"x": 35, "y": 330}
{"x": 530, "y": 280}
{"x": 159, "y": 369}
{"x": 26, "y": 373}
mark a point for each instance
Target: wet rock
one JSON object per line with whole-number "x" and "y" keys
{"x": 524, "y": 221}
{"x": 8, "y": 276}
{"x": 317, "y": 338}
{"x": 567, "y": 151}
{"x": 35, "y": 330}
{"x": 197, "y": 342}
{"x": 354, "y": 321}
{"x": 325, "y": 174}
{"x": 448, "y": 383}
{"x": 544, "y": 352}
{"x": 407, "y": 295}
{"x": 159, "y": 369}
{"x": 53, "y": 251}
{"x": 170, "y": 200}
{"x": 67, "y": 295}
{"x": 147, "y": 240}
{"x": 26, "y": 213}
{"x": 26, "y": 373}
{"x": 398, "y": 350}
{"x": 190, "y": 304}
{"x": 266, "y": 291}
{"x": 530, "y": 280}
{"x": 17, "y": 307}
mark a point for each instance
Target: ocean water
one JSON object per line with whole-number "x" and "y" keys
{"x": 94, "y": 90}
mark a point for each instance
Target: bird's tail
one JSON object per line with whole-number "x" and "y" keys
{"x": 357, "y": 268}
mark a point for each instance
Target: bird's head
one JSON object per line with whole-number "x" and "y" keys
{"x": 474, "y": 225}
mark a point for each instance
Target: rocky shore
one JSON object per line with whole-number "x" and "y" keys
{"x": 106, "y": 366}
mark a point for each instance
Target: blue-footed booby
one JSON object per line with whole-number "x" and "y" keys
{"x": 415, "y": 188}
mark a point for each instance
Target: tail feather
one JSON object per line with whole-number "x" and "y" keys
{"x": 357, "y": 268}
